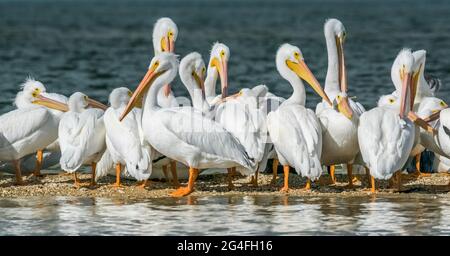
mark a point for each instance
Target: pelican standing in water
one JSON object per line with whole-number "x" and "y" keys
{"x": 295, "y": 130}
{"x": 30, "y": 127}
{"x": 124, "y": 140}
{"x": 81, "y": 134}
{"x": 183, "y": 133}
{"x": 165, "y": 33}
{"x": 339, "y": 121}
{"x": 386, "y": 134}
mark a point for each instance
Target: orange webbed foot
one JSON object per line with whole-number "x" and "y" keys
{"x": 284, "y": 190}
{"x": 183, "y": 191}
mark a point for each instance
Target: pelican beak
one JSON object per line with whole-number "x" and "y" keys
{"x": 231, "y": 97}
{"x": 420, "y": 122}
{"x": 167, "y": 44}
{"x": 406, "y": 87}
{"x": 222, "y": 67}
{"x": 199, "y": 80}
{"x": 144, "y": 85}
{"x": 96, "y": 104}
{"x": 302, "y": 70}
{"x": 435, "y": 114}
{"x": 342, "y": 69}
{"x": 49, "y": 103}
{"x": 344, "y": 107}
{"x": 414, "y": 84}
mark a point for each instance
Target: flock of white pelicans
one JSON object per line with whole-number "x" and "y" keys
{"x": 240, "y": 132}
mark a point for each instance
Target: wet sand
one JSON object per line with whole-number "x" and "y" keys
{"x": 210, "y": 185}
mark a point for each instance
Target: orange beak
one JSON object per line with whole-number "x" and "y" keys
{"x": 49, "y": 103}
{"x": 136, "y": 98}
{"x": 406, "y": 88}
{"x": 96, "y": 104}
{"x": 302, "y": 70}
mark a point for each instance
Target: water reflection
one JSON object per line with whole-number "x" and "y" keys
{"x": 226, "y": 215}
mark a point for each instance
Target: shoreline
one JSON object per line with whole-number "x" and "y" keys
{"x": 216, "y": 185}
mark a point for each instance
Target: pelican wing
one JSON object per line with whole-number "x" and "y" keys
{"x": 206, "y": 135}
{"x": 295, "y": 131}
{"x": 384, "y": 141}
{"x": 76, "y": 133}
{"x": 124, "y": 138}
{"x": 20, "y": 124}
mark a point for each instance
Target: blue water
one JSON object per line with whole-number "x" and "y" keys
{"x": 95, "y": 46}
{"x": 226, "y": 215}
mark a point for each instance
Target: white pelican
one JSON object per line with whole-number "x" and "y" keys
{"x": 444, "y": 131}
{"x": 81, "y": 134}
{"x": 339, "y": 121}
{"x": 124, "y": 140}
{"x": 54, "y": 147}
{"x": 295, "y": 130}
{"x": 30, "y": 127}
{"x": 385, "y": 134}
{"x": 183, "y": 133}
{"x": 429, "y": 110}
{"x": 239, "y": 114}
{"x": 165, "y": 33}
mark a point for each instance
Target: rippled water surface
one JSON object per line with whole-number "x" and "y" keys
{"x": 95, "y": 46}
{"x": 226, "y": 216}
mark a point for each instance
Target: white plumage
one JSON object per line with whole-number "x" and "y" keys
{"x": 124, "y": 139}
{"x": 81, "y": 134}
{"x": 294, "y": 130}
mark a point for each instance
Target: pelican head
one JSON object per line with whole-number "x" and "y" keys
{"x": 334, "y": 30}
{"x": 192, "y": 71}
{"x": 119, "y": 97}
{"x": 402, "y": 73}
{"x": 430, "y": 108}
{"x": 218, "y": 62}
{"x": 34, "y": 94}
{"x": 79, "y": 101}
{"x": 290, "y": 64}
{"x": 162, "y": 70}
{"x": 165, "y": 34}
{"x": 389, "y": 101}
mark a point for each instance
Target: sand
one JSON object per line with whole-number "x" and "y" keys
{"x": 210, "y": 185}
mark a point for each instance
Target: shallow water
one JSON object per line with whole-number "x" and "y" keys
{"x": 95, "y": 46}
{"x": 231, "y": 215}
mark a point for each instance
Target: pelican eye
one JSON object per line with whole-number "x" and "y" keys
{"x": 296, "y": 55}
{"x": 193, "y": 73}
{"x": 170, "y": 33}
{"x": 222, "y": 53}
{"x": 339, "y": 97}
{"x": 34, "y": 94}
{"x": 156, "y": 64}
{"x": 442, "y": 103}
{"x": 203, "y": 70}
{"x": 391, "y": 101}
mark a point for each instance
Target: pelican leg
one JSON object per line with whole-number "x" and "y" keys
{"x": 350, "y": 176}
{"x": 274, "y": 172}
{"x": 166, "y": 174}
{"x": 19, "y": 180}
{"x": 231, "y": 172}
{"x": 418, "y": 172}
{"x": 308, "y": 184}
{"x": 93, "y": 167}
{"x": 184, "y": 191}
{"x": 285, "y": 188}
{"x": 372, "y": 184}
{"x": 255, "y": 179}
{"x": 118, "y": 170}
{"x": 173, "y": 170}
{"x": 142, "y": 184}
{"x": 332, "y": 174}
{"x": 39, "y": 157}
{"x": 76, "y": 181}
